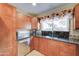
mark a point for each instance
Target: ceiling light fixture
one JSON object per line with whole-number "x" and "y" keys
{"x": 34, "y": 4}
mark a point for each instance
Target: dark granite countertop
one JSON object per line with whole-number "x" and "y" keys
{"x": 74, "y": 41}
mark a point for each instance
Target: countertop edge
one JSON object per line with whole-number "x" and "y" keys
{"x": 58, "y": 39}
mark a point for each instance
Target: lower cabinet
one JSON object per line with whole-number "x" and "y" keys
{"x": 43, "y": 46}
{"x": 68, "y": 50}
{"x": 31, "y": 44}
{"x": 54, "y": 48}
{"x": 36, "y": 42}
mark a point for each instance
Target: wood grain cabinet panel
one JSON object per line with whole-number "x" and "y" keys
{"x": 76, "y": 14}
{"x": 28, "y": 19}
{"x": 53, "y": 50}
{"x": 22, "y": 20}
{"x": 43, "y": 45}
{"x": 6, "y": 9}
{"x": 54, "y": 47}
{"x": 36, "y": 43}
{"x": 34, "y": 23}
{"x": 68, "y": 49}
{"x": 7, "y": 30}
{"x": 31, "y": 44}
{"x": 77, "y": 50}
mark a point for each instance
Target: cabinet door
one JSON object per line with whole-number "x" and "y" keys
{"x": 28, "y": 20}
{"x": 34, "y": 23}
{"x": 7, "y": 30}
{"x": 43, "y": 45}
{"x": 32, "y": 44}
{"x": 53, "y": 48}
{"x": 36, "y": 43}
{"x": 77, "y": 50}
{"x": 76, "y": 14}
{"x": 68, "y": 50}
{"x": 20, "y": 21}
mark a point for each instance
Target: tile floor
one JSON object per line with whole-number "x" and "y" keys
{"x": 23, "y": 50}
{"x": 35, "y": 53}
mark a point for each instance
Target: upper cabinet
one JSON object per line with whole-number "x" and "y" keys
{"x": 6, "y": 11}
{"x": 76, "y": 14}
{"x": 22, "y": 20}
{"x": 34, "y": 23}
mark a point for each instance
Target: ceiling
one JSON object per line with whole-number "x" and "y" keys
{"x": 28, "y": 8}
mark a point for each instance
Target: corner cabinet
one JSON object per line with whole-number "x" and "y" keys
{"x": 76, "y": 15}
{"x": 8, "y": 45}
{"x": 34, "y": 23}
{"x": 34, "y": 43}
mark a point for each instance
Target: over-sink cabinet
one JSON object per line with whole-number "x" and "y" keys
{"x": 51, "y": 47}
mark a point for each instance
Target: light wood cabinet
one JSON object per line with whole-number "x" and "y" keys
{"x": 32, "y": 44}
{"x": 34, "y": 23}
{"x": 43, "y": 46}
{"x": 36, "y": 43}
{"x": 7, "y": 30}
{"x": 76, "y": 14}
{"x": 67, "y": 49}
{"x": 22, "y": 20}
{"x": 53, "y": 48}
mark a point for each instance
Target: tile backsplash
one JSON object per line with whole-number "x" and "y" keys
{"x": 73, "y": 33}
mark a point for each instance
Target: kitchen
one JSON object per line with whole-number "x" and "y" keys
{"x": 42, "y": 29}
